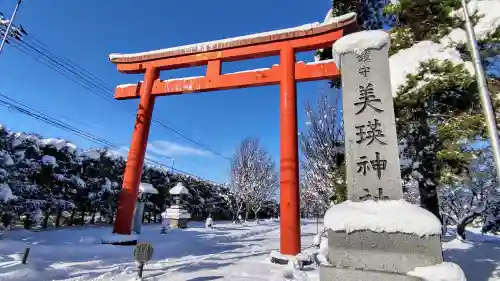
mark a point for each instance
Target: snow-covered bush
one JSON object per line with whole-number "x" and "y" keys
{"x": 50, "y": 182}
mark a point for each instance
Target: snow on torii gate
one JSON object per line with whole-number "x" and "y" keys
{"x": 284, "y": 43}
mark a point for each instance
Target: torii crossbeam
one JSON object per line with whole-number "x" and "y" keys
{"x": 285, "y": 43}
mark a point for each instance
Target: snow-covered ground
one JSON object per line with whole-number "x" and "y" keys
{"x": 230, "y": 252}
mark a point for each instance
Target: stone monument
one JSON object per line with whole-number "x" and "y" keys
{"x": 177, "y": 215}
{"x": 144, "y": 188}
{"x": 375, "y": 235}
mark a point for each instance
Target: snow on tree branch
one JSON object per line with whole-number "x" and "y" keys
{"x": 254, "y": 178}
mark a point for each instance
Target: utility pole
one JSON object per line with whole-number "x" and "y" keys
{"x": 9, "y": 26}
{"x": 482, "y": 87}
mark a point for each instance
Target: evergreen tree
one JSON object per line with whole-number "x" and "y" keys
{"x": 369, "y": 15}
{"x": 7, "y": 167}
{"x": 437, "y": 108}
{"x": 49, "y": 181}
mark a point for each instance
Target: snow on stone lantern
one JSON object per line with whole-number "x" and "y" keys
{"x": 144, "y": 188}
{"x": 176, "y": 214}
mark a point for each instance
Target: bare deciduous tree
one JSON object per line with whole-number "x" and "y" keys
{"x": 323, "y": 148}
{"x": 254, "y": 179}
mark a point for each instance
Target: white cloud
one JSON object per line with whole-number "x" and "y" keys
{"x": 171, "y": 149}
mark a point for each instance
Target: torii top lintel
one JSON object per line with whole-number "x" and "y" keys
{"x": 303, "y": 38}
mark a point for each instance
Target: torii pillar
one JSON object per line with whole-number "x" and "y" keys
{"x": 285, "y": 43}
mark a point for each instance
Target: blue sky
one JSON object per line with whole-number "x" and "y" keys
{"x": 87, "y": 31}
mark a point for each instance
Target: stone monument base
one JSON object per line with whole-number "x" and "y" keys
{"x": 331, "y": 273}
{"x": 388, "y": 252}
{"x": 178, "y": 223}
{"x": 380, "y": 240}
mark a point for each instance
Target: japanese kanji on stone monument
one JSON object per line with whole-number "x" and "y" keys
{"x": 373, "y": 170}
{"x": 375, "y": 235}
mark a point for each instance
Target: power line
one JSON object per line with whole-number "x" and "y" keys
{"x": 36, "y": 49}
{"x": 30, "y": 111}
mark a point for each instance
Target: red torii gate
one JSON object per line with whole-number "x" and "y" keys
{"x": 284, "y": 43}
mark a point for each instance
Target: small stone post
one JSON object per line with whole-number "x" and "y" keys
{"x": 144, "y": 188}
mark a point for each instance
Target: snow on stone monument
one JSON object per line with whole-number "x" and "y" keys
{"x": 375, "y": 235}
{"x": 176, "y": 214}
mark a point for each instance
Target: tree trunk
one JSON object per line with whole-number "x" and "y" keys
{"x": 462, "y": 224}
{"x": 429, "y": 197}
{"x": 58, "y": 216}
{"x": 444, "y": 228}
{"x": 83, "y": 210}
{"x": 256, "y": 212}
{"x": 46, "y": 220}
{"x": 247, "y": 211}
{"x": 112, "y": 217}
{"x": 27, "y": 222}
{"x": 72, "y": 217}
{"x": 317, "y": 223}
{"x": 92, "y": 220}
{"x": 427, "y": 157}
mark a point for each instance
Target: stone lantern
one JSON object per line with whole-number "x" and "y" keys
{"x": 176, "y": 214}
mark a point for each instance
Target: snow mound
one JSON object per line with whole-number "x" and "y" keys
{"x": 16, "y": 142}
{"x": 407, "y": 61}
{"x": 299, "y": 256}
{"x": 49, "y": 160}
{"x": 77, "y": 181}
{"x": 382, "y": 216}
{"x": 146, "y": 188}
{"x": 6, "y": 193}
{"x": 59, "y": 144}
{"x": 29, "y": 272}
{"x": 71, "y": 147}
{"x": 92, "y": 154}
{"x": 6, "y": 158}
{"x": 488, "y": 10}
{"x": 446, "y": 271}
{"x": 117, "y": 154}
{"x": 456, "y": 36}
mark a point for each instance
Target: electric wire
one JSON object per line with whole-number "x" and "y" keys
{"x": 20, "y": 107}
{"x": 37, "y": 50}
